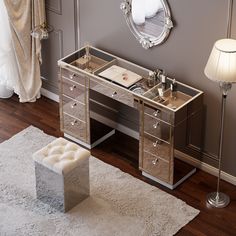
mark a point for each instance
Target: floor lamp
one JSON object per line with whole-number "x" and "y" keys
{"x": 221, "y": 68}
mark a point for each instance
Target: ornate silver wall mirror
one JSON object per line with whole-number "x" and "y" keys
{"x": 149, "y": 20}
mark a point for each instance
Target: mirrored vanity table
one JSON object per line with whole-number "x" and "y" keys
{"x": 93, "y": 84}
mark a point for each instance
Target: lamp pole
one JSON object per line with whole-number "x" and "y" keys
{"x": 218, "y": 199}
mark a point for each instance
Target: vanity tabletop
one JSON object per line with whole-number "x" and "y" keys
{"x": 112, "y": 70}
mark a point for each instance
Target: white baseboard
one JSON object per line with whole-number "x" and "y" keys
{"x": 182, "y": 156}
{"x": 50, "y": 95}
{"x": 205, "y": 167}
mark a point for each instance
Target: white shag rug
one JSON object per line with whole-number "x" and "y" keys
{"x": 119, "y": 205}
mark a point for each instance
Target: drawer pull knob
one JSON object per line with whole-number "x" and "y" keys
{"x": 114, "y": 93}
{"x": 155, "y": 113}
{"x": 72, "y": 87}
{"x": 73, "y": 105}
{"x": 156, "y": 125}
{"x": 155, "y": 161}
{"x": 73, "y": 122}
{"x": 155, "y": 144}
{"x": 72, "y": 76}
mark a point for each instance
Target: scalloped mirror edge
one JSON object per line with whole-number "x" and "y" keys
{"x": 144, "y": 40}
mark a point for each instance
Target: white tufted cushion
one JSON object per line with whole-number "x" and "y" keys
{"x": 61, "y": 155}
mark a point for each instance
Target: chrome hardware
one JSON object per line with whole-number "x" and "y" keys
{"x": 72, "y": 76}
{"x": 155, "y": 161}
{"x": 113, "y": 94}
{"x": 72, "y": 87}
{"x": 156, "y": 125}
{"x": 155, "y": 113}
{"x": 73, "y": 122}
{"x": 155, "y": 144}
{"x": 73, "y": 105}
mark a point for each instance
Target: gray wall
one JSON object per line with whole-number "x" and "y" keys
{"x": 62, "y": 39}
{"x": 198, "y": 24}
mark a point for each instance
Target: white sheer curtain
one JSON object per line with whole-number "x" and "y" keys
{"x": 8, "y": 65}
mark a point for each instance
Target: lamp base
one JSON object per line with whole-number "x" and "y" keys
{"x": 218, "y": 200}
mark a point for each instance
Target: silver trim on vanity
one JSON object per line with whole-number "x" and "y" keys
{"x": 170, "y": 186}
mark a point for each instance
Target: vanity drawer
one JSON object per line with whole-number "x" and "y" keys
{"x": 74, "y": 90}
{"x": 123, "y": 96}
{"x": 157, "y": 128}
{"x": 77, "y": 77}
{"x": 156, "y": 167}
{"x": 114, "y": 92}
{"x": 75, "y": 127}
{"x": 74, "y": 108}
{"x": 99, "y": 87}
{"x": 158, "y": 113}
{"x": 156, "y": 147}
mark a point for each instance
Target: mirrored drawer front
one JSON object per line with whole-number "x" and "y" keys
{"x": 114, "y": 92}
{"x": 157, "y": 128}
{"x": 74, "y": 127}
{"x": 159, "y": 113}
{"x": 156, "y": 167}
{"x": 100, "y": 87}
{"x": 157, "y": 147}
{"x": 74, "y": 90}
{"x": 74, "y": 108}
{"x": 76, "y": 77}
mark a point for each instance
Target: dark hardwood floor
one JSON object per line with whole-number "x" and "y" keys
{"x": 44, "y": 114}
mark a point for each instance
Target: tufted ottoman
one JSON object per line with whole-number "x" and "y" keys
{"x": 62, "y": 174}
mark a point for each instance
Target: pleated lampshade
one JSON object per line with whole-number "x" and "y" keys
{"x": 221, "y": 65}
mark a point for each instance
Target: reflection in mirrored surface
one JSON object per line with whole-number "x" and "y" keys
{"x": 149, "y": 20}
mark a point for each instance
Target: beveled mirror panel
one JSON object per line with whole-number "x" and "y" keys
{"x": 149, "y": 20}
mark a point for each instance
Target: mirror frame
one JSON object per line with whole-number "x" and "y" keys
{"x": 147, "y": 42}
